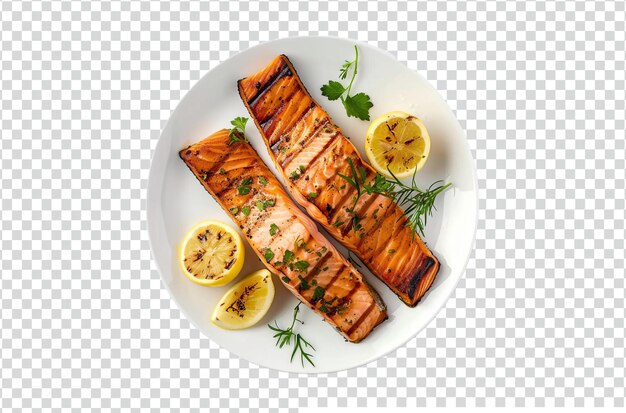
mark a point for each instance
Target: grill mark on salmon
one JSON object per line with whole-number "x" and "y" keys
{"x": 326, "y": 267}
{"x": 267, "y": 85}
{"x": 406, "y": 272}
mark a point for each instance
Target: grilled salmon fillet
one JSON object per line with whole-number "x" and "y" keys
{"x": 310, "y": 151}
{"x": 284, "y": 238}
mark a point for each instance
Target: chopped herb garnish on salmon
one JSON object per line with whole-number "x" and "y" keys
{"x": 294, "y": 175}
{"x": 261, "y": 205}
{"x": 274, "y": 229}
{"x": 285, "y": 279}
{"x": 234, "y": 210}
{"x": 288, "y": 256}
{"x": 318, "y": 293}
{"x": 268, "y": 254}
{"x": 301, "y": 265}
{"x": 338, "y": 223}
{"x": 222, "y": 171}
{"x": 244, "y": 187}
{"x": 304, "y": 284}
{"x": 313, "y": 195}
{"x": 263, "y": 180}
{"x": 246, "y": 210}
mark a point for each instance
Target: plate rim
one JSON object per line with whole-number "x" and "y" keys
{"x": 150, "y": 195}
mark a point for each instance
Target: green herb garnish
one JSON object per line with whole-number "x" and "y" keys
{"x": 234, "y": 210}
{"x": 263, "y": 180}
{"x": 237, "y": 133}
{"x": 294, "y": 175}
{"x": 391, "y": 251}
{"x": 268, "y": 254}
{"x": 284, "y": 337}
{"x": 301, "y": 265}
{"x": 313, "y": 195}
{"x": 244, "y": 187}
{"x": 245, "y": 210}
{"x": 261, "y": 205}
{"x": 222, "y": 171}
{"x": 285, "y": 279}
{"x": 274, "y": 229}
{"x": 288, "y": 256}
{"x": 418, "y": 204}
{"x": 318, "y": 293}
{"x": 304, "y": 285}
{"x": 358, "y": 105}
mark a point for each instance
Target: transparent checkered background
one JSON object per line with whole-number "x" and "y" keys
{"x": 538, "y": 319}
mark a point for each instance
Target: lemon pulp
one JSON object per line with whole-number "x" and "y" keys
{"x": 397, "y": 142}
{"x": 212, "y": 254}
{"x": 246, "y": 302}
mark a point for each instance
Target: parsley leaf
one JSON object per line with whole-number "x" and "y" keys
{"x": 268, "y": 254}
{"x": 343, "y": 72}
{"x": 301, "y": 265}
{"x": 304, "y": 284}
{"x": 263, "y": 180}
{"x": 285, "y": 279}
{"x": 274, "y": 229}
{"x": 237, "y": 132}
{"x": 358, "y": 105}
{"x": 246, "y": 210}
{"x": 234, "y": 210}
{"x": 261, "y": 205}
{"x": 244, "y": 187}
{"x": 333, "y": 90}
{"x": 239, "y": 122}
{"x": 288, "y": 256}
{"x": 318, "y": 293}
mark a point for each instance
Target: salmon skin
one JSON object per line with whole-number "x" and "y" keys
{"x": 311, "y": 151}
{"x": 285, "y": 239}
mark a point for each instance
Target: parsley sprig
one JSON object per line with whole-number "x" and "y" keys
{"x": 237, "y": 132}
{"x": 284, "y": 337}
{"x": 358, "y": 105}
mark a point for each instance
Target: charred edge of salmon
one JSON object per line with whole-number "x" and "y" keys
{"x": 187, "y": 153}
{"x": 421, "y": 276}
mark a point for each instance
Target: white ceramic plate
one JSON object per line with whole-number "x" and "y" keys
{"x": 176, "y": 200}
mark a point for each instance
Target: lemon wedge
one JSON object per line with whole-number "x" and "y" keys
{"x": 398, "y": 141}
{"x": 246, "y": 302}
{"x": 212, "y": 254}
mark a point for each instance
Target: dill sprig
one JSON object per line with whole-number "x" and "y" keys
{"x": 418, "y": 204}
{"x": 284, "y": 336}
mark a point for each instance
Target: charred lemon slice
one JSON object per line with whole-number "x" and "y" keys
{"x": 398, "y": 141}
{"x": 246, "y": 302}
{"x": 212, "y": 254}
